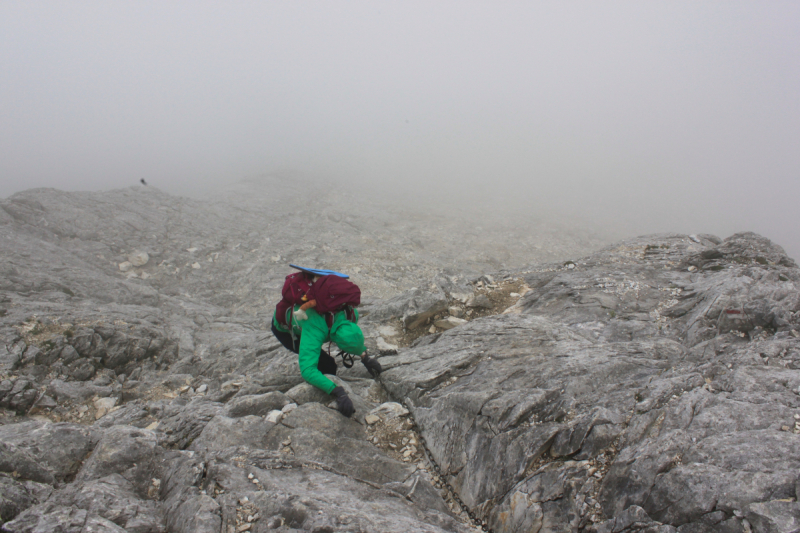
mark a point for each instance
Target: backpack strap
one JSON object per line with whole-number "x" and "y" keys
{"x": 290, "y": 321}
{"x": 348, "y": 359}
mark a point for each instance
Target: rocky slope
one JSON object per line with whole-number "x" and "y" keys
{"x": 650, "y": 386}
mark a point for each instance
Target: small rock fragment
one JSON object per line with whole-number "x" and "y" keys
{"x": 138, "y": 258}
{"x": 455, "y": 311}
{"x": 449, "y": 322}
{"x": 103, "y": 405}
{"x": 371, "y": 419}
{"x": 274, "y": 416}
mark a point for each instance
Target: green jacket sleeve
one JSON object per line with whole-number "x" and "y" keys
{"x": 315, "y": 333}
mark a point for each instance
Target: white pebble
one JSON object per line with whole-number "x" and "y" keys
{"x": 274, "y": 416}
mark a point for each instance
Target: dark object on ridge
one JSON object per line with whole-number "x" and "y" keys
{"x": 343, "y": 402}
{"x": 143, "y": 182}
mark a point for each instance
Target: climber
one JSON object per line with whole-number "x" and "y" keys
{"x": 294, "y": 292}
{"x": 308, "y": 326}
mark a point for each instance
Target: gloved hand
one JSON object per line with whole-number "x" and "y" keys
{"x": 300, "y": 315}
{"x": 373, "y": 366}
{"x": 343, "y": 402}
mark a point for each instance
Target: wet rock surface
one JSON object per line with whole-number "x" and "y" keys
{"x": 653, "y": 385}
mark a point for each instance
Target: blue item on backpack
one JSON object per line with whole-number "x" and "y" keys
{"x": 320, "y": 271}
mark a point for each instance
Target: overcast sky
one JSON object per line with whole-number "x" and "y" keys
{"x": 634, "y": 116}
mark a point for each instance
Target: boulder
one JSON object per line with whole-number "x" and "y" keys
{"x": 58, "y": 448}
{"x": 16, "y": 496}
{"x": 120, "y": 449}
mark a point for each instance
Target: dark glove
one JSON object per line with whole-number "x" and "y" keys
{"x": 343, "y": 402}
{"x": 373, "y": 366}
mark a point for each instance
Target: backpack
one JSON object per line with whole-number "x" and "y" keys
{"x": 295, "y": 290}
{"x": 334, "y": 293}
{"x": 296, "y": 287}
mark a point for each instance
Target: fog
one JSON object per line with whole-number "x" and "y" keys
{"x": 628, "y": 117}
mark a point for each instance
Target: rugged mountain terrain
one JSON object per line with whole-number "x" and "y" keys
{"x": 648, "y": 386}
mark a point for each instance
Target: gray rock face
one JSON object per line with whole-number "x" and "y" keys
{"x": 596, "y": 396}
{"x": 258, "y": 404}
{"x": 55, "y": 450}
{"x": 414, "y": 308}
{"x": 651, "y": 386}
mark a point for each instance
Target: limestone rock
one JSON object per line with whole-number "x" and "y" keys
{"x": 223, "y": 432}
{"x": 449, "y": 322}
{"x": 653, "y": 386}
{"x": 305, "y": 393}
{"x": 56, "y": 450}
{"x": 414, "y": 307}
{"x": 138, "y": 258}
{"x": 120, "y": 449}
{"x": 103, "y": 405}
{"x": 385, "y": 347}
{"x": 480, "y": 301}
{"x": 258, "y": 404}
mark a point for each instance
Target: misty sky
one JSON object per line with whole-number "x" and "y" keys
{"x": 632, "y": 116}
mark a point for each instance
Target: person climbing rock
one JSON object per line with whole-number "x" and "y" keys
{"x": 294, "y": 292}
{"x": 327, "y": 314}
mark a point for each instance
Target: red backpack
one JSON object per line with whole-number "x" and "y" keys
{"x": 296, "y": 287}
{"x": 334, "y": 293}
{"x": 295, "y": 290}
